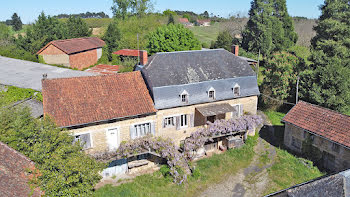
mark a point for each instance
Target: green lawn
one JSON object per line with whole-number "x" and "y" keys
{"x": 275, "y": 117}
{"x": 289, "y": 170}
{"x": 207, "y": 34}
{"x": 212, "y": 170}
{"x": 14, "y": 94}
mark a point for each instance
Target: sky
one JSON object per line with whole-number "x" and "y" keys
{"x": 29, "y": 10}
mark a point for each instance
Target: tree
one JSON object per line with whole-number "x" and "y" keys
{"x": 171, "y": 19}
{"x": 77, "y": 28}
{"x": 270, "y": 28}
{"x": 112, "y": 38}
{"x": 205, "y": 14}
{"x": 281, "y": 72}
{"x": 16, "y": 22}
{"x": 139, "y": 7}
{"x": 172, "y": 38}
{"x": 120, "y": 8}
{"x": 65, "y": 170}
{"x": 224, "y": 40}
{"x": 327, "y": 83}
{"x": 4, "y": 32}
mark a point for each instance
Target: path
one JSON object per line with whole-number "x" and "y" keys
{"x": 252, "y": 180}
{"x": 26, "y": 74}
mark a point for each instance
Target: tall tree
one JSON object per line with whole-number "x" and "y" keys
{"x": 77, "y": 28}
{"x": 172, "y": 38}
{"x": 269, "y": 28}
{"x": 171, "y": 19}
{"x": 120, "y": 8}
{"x": 224, "y": 40}
{"x": 328, "y": 83}
{"x": 16, "y": 22}
{"x": 112, "y": 38}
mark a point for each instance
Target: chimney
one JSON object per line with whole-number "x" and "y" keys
{"x": 235, "y": 49}
{"x": 143, "y": 57}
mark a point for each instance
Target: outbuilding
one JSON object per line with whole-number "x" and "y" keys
{"x": 77, "y": 53}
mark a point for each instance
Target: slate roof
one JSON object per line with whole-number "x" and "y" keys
{"x": 76, "y": 45}
{"x": 83, "y": 100}
{"x": 321, "y": 121}
{"x": 13, "y": 176}
{"x": 186, "y": 67}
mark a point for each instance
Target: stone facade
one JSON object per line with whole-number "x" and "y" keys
{"x": 333, "y": 156}
{"x": 53, "y": 55}
{"x": 99, "y": 141}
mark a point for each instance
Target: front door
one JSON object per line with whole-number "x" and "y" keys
{"x": 113, "y": 137}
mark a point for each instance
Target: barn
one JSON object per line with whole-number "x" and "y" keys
{"x": 77, "y": 53}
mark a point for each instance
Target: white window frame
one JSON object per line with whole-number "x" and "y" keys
{"x": 181, "y": 120}
{"x": 166, "y": 125}
{"x": 139, "y": 124}
{"x": 239, "y": 109}
{"x": 214, "y": 93}
{"x": 119, "y": 135}
{"x": 239, "y": 90}
{"x": 87, "y": 132}
{"x": 184, "y": 93}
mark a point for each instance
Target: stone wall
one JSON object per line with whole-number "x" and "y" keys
{"x": 324, "y": 146}
{"x": 53, "y": 55}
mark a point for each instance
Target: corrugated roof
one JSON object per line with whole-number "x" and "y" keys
{"x": 76, "y": 45}
{"x": 83, "y": 100}
{"x": 186, "y": 67}
{"x": 321, "y": 121}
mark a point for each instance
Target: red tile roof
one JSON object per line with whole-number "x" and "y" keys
{"x": 104, "y": 69}
{"x": 75, "y": 45}
{"x": 128, "y": 52}
{"x": 183, "y": 20}
{"x": 321, "y": 121}
{"x": 13, "y": 173}
{"x": 81, "y": 100}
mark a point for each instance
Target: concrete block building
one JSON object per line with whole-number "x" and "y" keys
{"x": 322, "y": 132}
{"x": 77, "y": 53}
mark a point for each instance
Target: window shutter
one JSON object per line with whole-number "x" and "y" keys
{"x": 241, "y": 109}
{"x": 177, "y": 122}
{"x": 191, "y": 120}
{"x": 153, "y": 129}
{"x": 132, "y": 132}
{"x": 163, "y": 123}
{"x": 85, "y": 140}
{"x": 188, "y": 119}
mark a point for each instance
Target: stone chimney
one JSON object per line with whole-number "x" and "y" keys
{"x": 143, "y": 57}
{"x": 235, "y": 49}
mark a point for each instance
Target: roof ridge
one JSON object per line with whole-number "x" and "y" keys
{"x": 64, "y": 40}
{"x": 314, "y": 105}
{"x": 126, "y": 73}
{"x": 190, "y": 51}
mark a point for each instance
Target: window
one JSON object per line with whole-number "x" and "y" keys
{"x": 238, "y": 111}
{"x": 184, "y": 97}
{"x": 335, "y": 147}
{"x": 169, "y": 122}
{"x": 84, "y": 139}
{"x": 183, "y": 121}
{"x": 142, "y": 130}
{"x": 211, "y": 94}
{"x": 236, "y": 90}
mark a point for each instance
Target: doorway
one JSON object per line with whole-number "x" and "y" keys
{"x": 113, "y": 138}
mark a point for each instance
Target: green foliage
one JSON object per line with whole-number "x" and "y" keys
{"x": 171, "y": 19}
{"x": 16, "y": 22}
{"x": 77, "y": 28}
{"x": 224, "y": 40}
{"x": 112, "y": 38}
{"x": 124, "y": 8}
{"x": 289, "y": 170}
{"x": 281, "y": 73}
{"x": 270, "y": 28}
{"x": 4, "y": 32}
{"x": 275, "y": 117}
{"x": 327, "y": 83}
{"x": 65, "y": 169}
{"x": 172, "y": 38}
{"x": 11, "y": 94}
{"x": 165, "y": 170}
{"x": 14, "y": 52}
{"x": 169, "y": 12}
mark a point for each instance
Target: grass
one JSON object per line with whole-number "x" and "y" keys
{"x": 289, "y": 170}
{"x": 212, "y": 170}
{"x": 207, "y": 34}
{"x": 11, "y": 94}
{"x": 275, "y": 117}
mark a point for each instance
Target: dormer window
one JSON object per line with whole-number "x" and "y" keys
{"x": 236, "y": 90}
{"x": 211, "y": 93}
{"x": 184, "y": 97}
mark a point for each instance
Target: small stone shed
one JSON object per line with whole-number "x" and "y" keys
{"x": 77, "y": 53}
{"x": 321, "y": 133}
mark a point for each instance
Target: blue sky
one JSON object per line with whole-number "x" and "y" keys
{"x": 28, "y": 10}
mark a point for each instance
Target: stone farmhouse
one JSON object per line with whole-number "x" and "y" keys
{"x": 170, "y": 95}
{"x": 77, "y": 53}
{"x": 323, "y": 133}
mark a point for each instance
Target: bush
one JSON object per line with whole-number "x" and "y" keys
{"x": 165, "y": 171}
{"x": 13, "y": 52}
